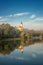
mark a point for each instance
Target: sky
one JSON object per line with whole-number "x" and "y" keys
{"x": 30, "y": 12}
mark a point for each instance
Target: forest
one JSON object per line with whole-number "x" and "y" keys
{"x": 8, "y": 31}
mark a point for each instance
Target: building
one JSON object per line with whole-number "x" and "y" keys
{"x": 20, "y": 27}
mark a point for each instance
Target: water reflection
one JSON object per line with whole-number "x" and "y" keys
{"x": 20, "y": 52}
{"x": 6, "y": 47}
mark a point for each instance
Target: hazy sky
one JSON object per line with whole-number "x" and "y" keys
{"x": 30, "y": 12}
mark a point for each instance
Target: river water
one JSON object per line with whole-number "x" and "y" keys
{"x": 31, "y": 54}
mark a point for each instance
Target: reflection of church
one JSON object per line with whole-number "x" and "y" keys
{"x": 21, "y": 47}
{"x": 20, "y": 27}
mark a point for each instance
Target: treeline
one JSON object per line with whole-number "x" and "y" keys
{"x": 8, "y": 31}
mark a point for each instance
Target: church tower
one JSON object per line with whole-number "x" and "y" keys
{"x": 20, "y": 27}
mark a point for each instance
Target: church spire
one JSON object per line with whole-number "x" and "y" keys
{"x": 20, "y": 27}
{"x": 21, "y": 23}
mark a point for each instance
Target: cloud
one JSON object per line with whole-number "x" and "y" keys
{"x": 18, "y": 14}
{"x": 20, "y": 58}
{"x": 32, "y": 22}
{"x": 39, "y": 52}
{"x": 36, "y": 23}
{"x": 33, "y": 16}
{"x": 10, "y": 15}
{"x": 21, "y": 14}
{"x": 39, "y": 19}
{"x": 34, "y": 55}
{"x": 1, "y": 17}
{"x": 35, "y": 26}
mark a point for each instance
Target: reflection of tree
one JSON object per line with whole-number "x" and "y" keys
{"x": 6, "y": 47}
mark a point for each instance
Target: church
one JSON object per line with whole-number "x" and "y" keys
{"x": 20, "y": 27}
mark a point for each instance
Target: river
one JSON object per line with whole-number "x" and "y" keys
{"x": 30, "y": 54}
